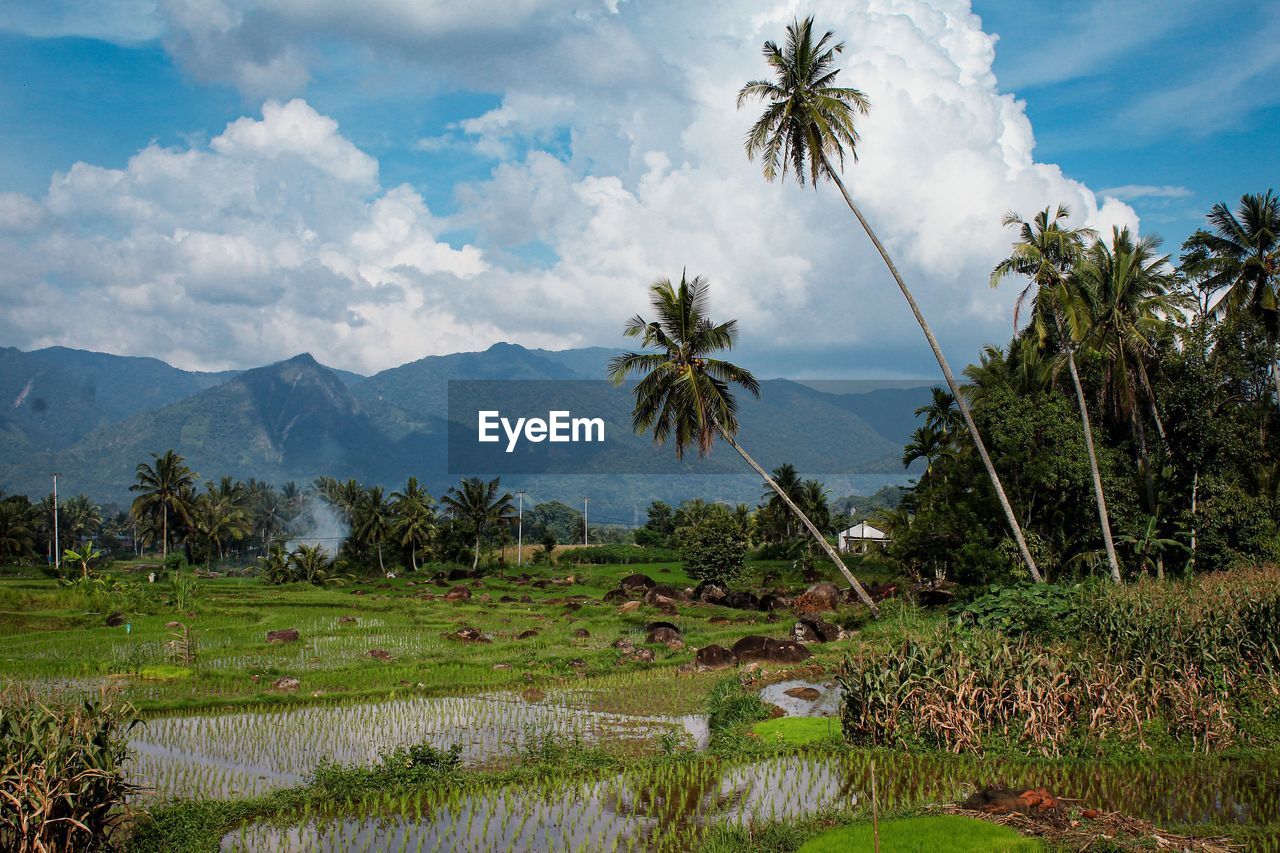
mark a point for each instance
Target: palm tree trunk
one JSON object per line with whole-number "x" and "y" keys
{"x": 1101, "y": 500}
{"x": 961, "y": 404}
{"x": 1195, "y": 489}
{"x": 804, "y": 519}
{"x": 164, "y": 525}
{"x": 381, "y": 567}
{"x": 413, "y": 555}
{"x": 475, "y": 561}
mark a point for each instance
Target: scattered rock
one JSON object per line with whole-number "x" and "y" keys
{"x": 740, "y": 601}
{"x": 666, "y": 634}
{"x": 937, "y": 594}
{"x": 665, "y": 605}
{"x": 485, "y": 598}
{"x": 615, "y": 596}
{"x": 709, "y": 593}
{"x": 469, "y": 635}
{"x": 572, "y": 606}
{"x": 286, "y": 683}
{"x": 719, "y": 620}
{"x": 770, "y": 602}
{"x": 714, "y": 657}
{"x": 524, "y": 599}
{"x": 357, "y": 592}
{"x": 808, "y": 694}
{"x": 636, "y": 583}
{"x": 347, "y": 620}
{"x": 525, "y": 635}
{"x": 507, "y": 599}
{"x": 410, "y": 583}
{"x": 540, "y": 583}
{"x": 630, "y": 607}
{"x": 776, "y": 711}
{"x": 582, "y": 633}
{"x": 638, "y": 656}
{"x": 624, "y": 644}
{"x": 1011, "y": 800}
{"x": 458, "y": 593}
{"x": 663, "y": 591}
{"x": 115, "y": 620}
{"x": 754, "y": 648}
{"x": 818, "y": 598}
{"x": 380, "y": 654}
{"x": 502, "y": 666}
{"x": 284, "y": 635}
{"x": 458, "y": 574}
{"x": 815, "y": 630}
{"x": 533, "y": 694}
{"x": 577, "y": 663}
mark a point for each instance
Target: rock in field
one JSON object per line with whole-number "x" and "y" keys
{"x": 636, "y": 584}
{"x": 284, "y": 635}
{"x": 380, "y": 654}
{"x": 714, "y": 657}
{"x": 458, "y": 593}
{"x": 287, "y": 684}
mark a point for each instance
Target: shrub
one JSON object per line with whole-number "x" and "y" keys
{"x": 62, "y": 782}
{"x": 403, "y": 766}
{"x": 615, "y": 555}
{"x": 714, "y": 549}
{"x": 1043, "y": 609}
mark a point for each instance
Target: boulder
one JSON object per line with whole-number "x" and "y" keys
{"x": 770, "y": 602}
{"x": 347, "y": 620}
{"x": 882, "y": 591}
{"x": 458, "y": 593}
{"x": 507, "y": 599}
{"x": 936, "y": 594}
{"x": 524, "y": 599}
{"x": 615, "y": 596}
{"x": 578, "y": 663}
{"x": 709, "y": 593}
{"x": 814, "y": 630}
{"x": 630, "y": 607}
{"x": 665, "y": 605}
{"x": 638, "y": 656}
{"x": 661, "y": 590}
{"x": 714, "y": 657}
{"x": 286, "y": 683}
{"x": 808, "y": 694}
{"x": 624, "y": 644}
{"x": 525, "y": 635}
{"x": 582, "y": 633}
{"x": 820, "y": 596}
{"x": 665, "y": 633}
{"x": 115, "y": 620}
{"x": 572, "y": 606}
{"x": 740, "y": 601}
{"x": 458, "y": 574}
{"x": 754, "y": 648}
{"x": 358, "y": 592}
{"x": 751, "y": 648}
{"x": 787, "y": 651}
{"x": 636, "y": 584}
{"x": 284, "y": 635}
{"x": 469, "y": 635}
{"x": 380, "y": 654}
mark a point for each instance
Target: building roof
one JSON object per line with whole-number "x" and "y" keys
{"x": 862, "y": 530}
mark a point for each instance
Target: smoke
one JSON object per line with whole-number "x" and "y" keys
{"x": 321, "y": 524}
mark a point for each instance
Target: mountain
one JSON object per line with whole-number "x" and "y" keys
{"x": 291, "y": 420}
{"x": 100, "y": 415}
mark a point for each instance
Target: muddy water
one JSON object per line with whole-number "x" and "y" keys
{"x": 669, "y": 808}
{"x": 244, "y": 754}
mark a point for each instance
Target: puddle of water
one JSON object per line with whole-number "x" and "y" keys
{"x": 669, "y": 808}
{"x": 826, "y": 705}
{"x": 244, "y": 754}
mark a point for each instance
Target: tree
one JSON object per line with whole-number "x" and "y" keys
{"x": 684, "y": 392}
{"x": 808, "y": 123}
{"x": 1241, "y": 254}
{"x": 374, "y": 520}
{"x": 17, "y": 536}
{"x": 1045, "y": 253}
{"x": 415, "y": 518}
{"x": 164, "y": 489}
{"x": 217, "y": 518}
{"x": 713, "y": 550}
{"x": 311, "y": 563}
{"x": 478, "y": 504}
{"x": 788, "y": 480}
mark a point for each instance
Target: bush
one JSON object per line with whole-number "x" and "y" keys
{"x": 61, "y": 771}
{"x": 1043, "y": 609}
{"x": 404, "y": 766}
{"x": 615, "y": 555}
{"x": 714, "y": 549}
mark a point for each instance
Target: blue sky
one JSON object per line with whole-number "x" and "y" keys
{"x": 505, "y": 170}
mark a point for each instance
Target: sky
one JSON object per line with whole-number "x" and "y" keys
{"x": 225, "y": 183}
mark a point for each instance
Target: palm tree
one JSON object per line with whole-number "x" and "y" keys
{"x": 216, "y": 519}
{"x": 684, "y": 391}
{"x": 1046, "y": 251}
{"x": 808, "y": 122}
{"x": 1242, "y": 254}
{"x": 164, "y": 487}
{"x": 788, "y": 481}
{"x": 311, "y": 563}
{"x": 415, "y": 517}
{"x": 16, "y": 534}
{"x": 477, "y": 504}
{"x": 374, "y": 519}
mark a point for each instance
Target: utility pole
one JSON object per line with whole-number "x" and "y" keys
{"x": 57, "y": 555}
{"x": 585, "y": 501}
{"x": 520, "y": 531}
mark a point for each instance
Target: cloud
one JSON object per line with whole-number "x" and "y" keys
{"x": 1129, "y": 192}
{"x": 618, "y": 159}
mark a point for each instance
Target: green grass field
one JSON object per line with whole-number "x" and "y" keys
{"x": 931, "y": 834}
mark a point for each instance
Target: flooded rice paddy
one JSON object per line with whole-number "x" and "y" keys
{"x": 670, "y": 807}
{"x": 220, "y": 756}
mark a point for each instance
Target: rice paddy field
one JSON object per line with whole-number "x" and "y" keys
{"x": 559, "y": 737}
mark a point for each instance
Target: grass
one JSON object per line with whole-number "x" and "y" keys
{"x": 928, "y": 834}
{"x": 798, "y": 731}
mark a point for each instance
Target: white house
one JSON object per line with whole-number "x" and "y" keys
{"x": 856, "y": 538}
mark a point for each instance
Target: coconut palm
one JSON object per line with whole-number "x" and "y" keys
{"x": 684, "y": 391}
{"x": 1241, "y": 254}
{"x": 808, "y": 126}
{"x": 415, "y": 517}
{"x": 164, "y": 490}
{"x": 17, "y": 536}
{"x": 788, "y": 480}
{"x": 477, "y": 504}
{"x": 374, "y": 520}
{"x": 217, "y": 519}
{"x": 1045, "y": 252}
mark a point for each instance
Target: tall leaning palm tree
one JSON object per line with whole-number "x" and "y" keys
{"x": 684, "y": 392}
{"x": 478, "y": 504}
{"x": 164, "y": 488}
{"x": 807, "y": 129}
{"x": 1241, "y": 254}
{"x": 1046, "y": 251}
{"x": 374, "y": 520}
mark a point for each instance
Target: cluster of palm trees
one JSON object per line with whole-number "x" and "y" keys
{"x": 1109, "y": 299}
{"x": 226, "y": 516}
{"x": 27, "y": 529}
